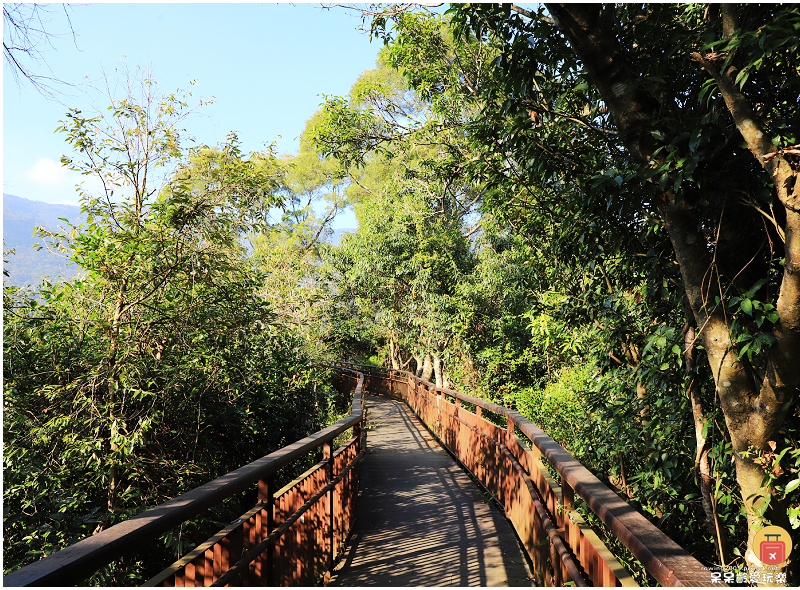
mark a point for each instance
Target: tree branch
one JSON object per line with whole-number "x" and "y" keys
{"x": 530, "y": 15}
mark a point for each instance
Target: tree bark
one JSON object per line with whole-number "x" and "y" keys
{"x": 418, "y": 365}
{"x": 393, "y": 354}
{"x": 437, "y": 369}
{"x": 768, "y": 407}
{"x": 427, "y": 368}
{"x": 590, "y": 30}
{"x": 753, "y": 416}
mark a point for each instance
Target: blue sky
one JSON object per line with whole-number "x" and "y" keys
{"x": 266, "y": 65}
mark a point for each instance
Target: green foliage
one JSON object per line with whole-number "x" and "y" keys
{"x": 402, "y": 270}
{"x": 559, "y": 408}
{"x": 556, "y": 166}
{"x": 507, "y": 236}
{"x": 574, "y": 267}
{"x": 399, "y": 144}
{"x": 161, "y": 368}
{"x": 221, "y": 379}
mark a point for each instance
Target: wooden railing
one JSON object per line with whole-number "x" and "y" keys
{"x": 562, "y": 548}
{"x": 294, "y": 535}
{"x": 290, "y": 538}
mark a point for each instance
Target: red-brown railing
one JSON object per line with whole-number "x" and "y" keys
{"x": 293, "y": 535}
{"x": 290, "y": 538}
{"x": 562, "y": 548}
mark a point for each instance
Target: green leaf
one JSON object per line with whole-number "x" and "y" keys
{"x": 747, "y": 306}
{"x": 758, "y": 284}
{"x": 662, "y": 181}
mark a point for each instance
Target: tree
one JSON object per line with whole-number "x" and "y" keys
{"x": 141, "y": 245}
{"x": 407, "y": 116}
{"x": 313, "y": 194}
{"x": 124, "y": 384}
{"x": 644, "y": 131}
{"x": 402, "y": 268}
{"x": 399, "y": 140}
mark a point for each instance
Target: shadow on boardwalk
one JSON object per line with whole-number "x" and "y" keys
{"x": 421, "y": 520}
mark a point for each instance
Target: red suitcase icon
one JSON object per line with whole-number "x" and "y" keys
{"x": 772, "y": 552}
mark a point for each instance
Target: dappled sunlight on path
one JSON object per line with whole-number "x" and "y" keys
{"x": 421, "y": 520}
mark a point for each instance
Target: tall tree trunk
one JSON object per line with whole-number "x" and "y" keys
{"x": 393, "y": 354}
{"x": 417, "y": 365}
{"x": 753, "y": 416}
{"x": 765, "y": 410}
{"x": 427, "y": 368}
{"x": 437, "y": 368}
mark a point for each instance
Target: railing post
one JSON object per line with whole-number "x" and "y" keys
{"x": 327, "y": 456}
{"x": 266, "y": 494}
{"x": 479, "y": 411}
{"x": 567, "y": 494}
{"x": 563, "y": 520}
{"x": 432, "y": 392}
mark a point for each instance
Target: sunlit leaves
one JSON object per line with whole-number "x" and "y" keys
{"x": 145, "y": 368}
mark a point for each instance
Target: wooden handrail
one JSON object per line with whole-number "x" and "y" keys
{"x": 668, "y": 562}
{"x": 236, "y": 569}
{"x": 662, "y": 557}
{"x": 75, "y": 563}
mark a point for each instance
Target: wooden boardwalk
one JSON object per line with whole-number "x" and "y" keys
{"x": 421, "y": 520}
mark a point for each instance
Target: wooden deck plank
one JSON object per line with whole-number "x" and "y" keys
{"x": 421, "y": 520}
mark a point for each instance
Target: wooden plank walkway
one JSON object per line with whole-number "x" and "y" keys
{"x": 421, "y": 520}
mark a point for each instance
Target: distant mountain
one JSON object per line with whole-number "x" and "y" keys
{"x": 27, "y": 265}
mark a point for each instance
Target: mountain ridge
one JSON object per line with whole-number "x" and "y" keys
{"x": 27, "y": 266}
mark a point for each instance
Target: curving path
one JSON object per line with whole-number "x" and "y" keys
{"x": 421, "y": 520}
